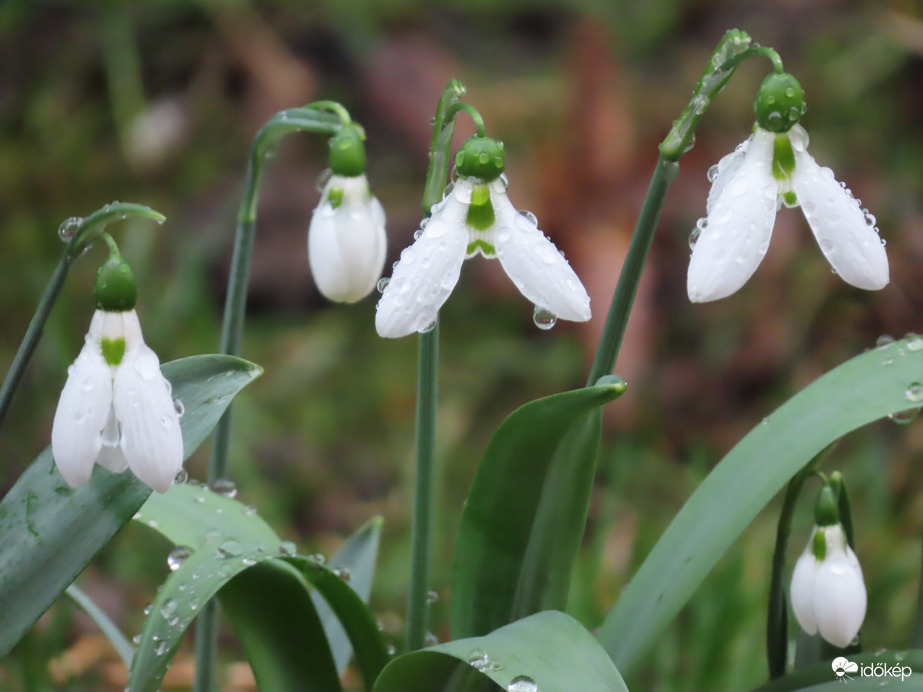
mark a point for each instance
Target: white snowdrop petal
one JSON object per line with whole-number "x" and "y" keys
{"x": 840, "y": 599}
{"x": 726, "y": 169}
{"x": 848, "y": 241}
{"x": 112, "y": 458}
{"x": 426, "y": 273}
{"x": 534, "y": 264}
{"x": 76, "y": 434}
{"x": 802, "y": 590}
{"x": 347, "y": 245}
{"x": 739, "y": 225}
{"x": 151, "y": 438}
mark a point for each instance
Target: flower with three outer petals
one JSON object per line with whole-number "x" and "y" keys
{"x": 748, "y": 186}
{"x": 476, "y": 216}
{"x": 346, "y": 239}
{"x": 116, "y": 408}
{"x": 827, "y": 590}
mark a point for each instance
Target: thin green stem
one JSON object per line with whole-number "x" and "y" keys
{"x": 471, "y": 111}
{"x": 85, "y": 233}
{"x": 333, "y": 107}
{"x": 777, "y": 618}
{"x": 733, "y": 48}
{"x": 308, "y": 119}
{"x": 916, "y": 638}
{"x": 421, "y": 537}
{"x": 620, "y": 308}
{"x": 33, "y": 335}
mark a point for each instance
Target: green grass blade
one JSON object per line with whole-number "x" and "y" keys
{"x": 109, "y": 628}
{"x": 265, "y": 592}
{"x": 866, "y": 388}
{"x": 357, "y": 555}
{"x": 550, "y": 650}
{"x": 523, "y": 520}
{"x": 48, "y": 532}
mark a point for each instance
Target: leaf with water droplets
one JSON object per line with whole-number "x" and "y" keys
{"x": 546, "y": 652}
{"x": 43, "y": 522}
{"x": 523, "y": 520}
{"x": 867, "y": 388}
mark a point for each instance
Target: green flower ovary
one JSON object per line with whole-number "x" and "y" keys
{"x": 779, "y": 103}
{"x": 114, "y": 289}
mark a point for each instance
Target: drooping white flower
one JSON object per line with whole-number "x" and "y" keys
{"x": 827, "y": 591}
{"x": 477, "y": 217}
{"x": 116, "y": 408}
{"x": 346, "y": 239}
{"x": 771, "y": 168}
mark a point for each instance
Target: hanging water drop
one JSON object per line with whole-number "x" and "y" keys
{"x": 529, "y": 216}
{"x": 68, "y": 227}
{"x": 179, "y": 408}
{"x": 544, "y": 318}
{"x": 428, "y": 328}
{"x": 178, "y": 556}
{"x": 181, "y": 477}
{"x": 323, "y": 179}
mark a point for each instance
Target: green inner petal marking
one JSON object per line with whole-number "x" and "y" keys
{"x": 783, "y": 158}
{"x": 791, "y": 199}
{"x": 113, "y": 350}
{"x": 335, "y": 197}
{"x": 820, "y": 545}
{"x": 486, "y": 248}
{"x": 480, "y": 211}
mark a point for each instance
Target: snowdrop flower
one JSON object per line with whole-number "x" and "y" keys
{"x": 116, "y": 408}
{"x": 476, "y": 217}
{"x": 772, "y": 168}
{"x": 346, "y": 238}
{"x": 827, "y": 590}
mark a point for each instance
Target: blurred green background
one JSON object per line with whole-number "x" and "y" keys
{"x": 156, "y": 102}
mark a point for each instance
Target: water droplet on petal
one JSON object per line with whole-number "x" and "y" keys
{"x": 428, "y": 328}
{"x": 323, "y": 179}
{"x": 178, "y": 556}
{"x": 884, "y": 340}
{"x": 343, "y": 573}
{"x": 181, "y": 477}
{"x": 179, "y": 407}
{"x": 287, "y": 548}
{"x": 319, "y": 558}
{"x": 914, "y": 392}
{"x": 914, "y": 342}
{"x": 529, "y": 216}
{"x": 544, "y": 318}
{"x": 417, "y": 233}
{"x": 384, "y": 281}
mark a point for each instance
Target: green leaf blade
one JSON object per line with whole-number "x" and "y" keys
{"x": 866, "y": 388}
{"x": 550, "y": 649}
{"x": 524, "y": 517}
{"x": 49, "y": 532}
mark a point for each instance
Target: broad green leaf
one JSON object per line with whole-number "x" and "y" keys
{"x": 49, "y": 532}
{"x": 822, "y": 678}
{"x": 357, "y": 556}
{"x": 523, "y": 520}
{"x": 109, "y": 628}
{"x": 545, "y": 652}
{"x": 875, "y": 384}
{"x": 264, "y": 590}
{"x": 271, "y": 611}
{"x": 192, "y": 515}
